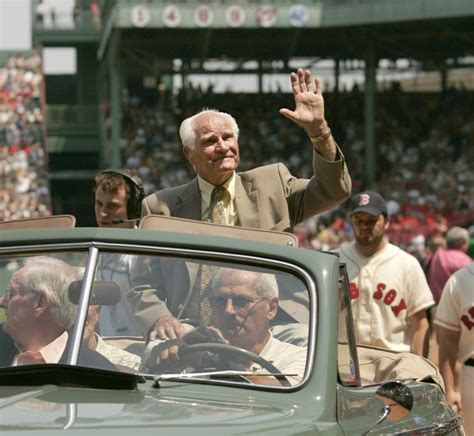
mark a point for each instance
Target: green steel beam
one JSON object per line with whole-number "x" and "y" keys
{"x": 369, "y": 115}
{"x": 114, "y": 77}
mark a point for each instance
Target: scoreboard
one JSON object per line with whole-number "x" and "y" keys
{"x": 222, "y": 16}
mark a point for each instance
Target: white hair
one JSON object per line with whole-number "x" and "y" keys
{"x": 187, "y": 130}
{"x": 52, "y": 276}
{"x": 267, "y": 286}
{"x": 456, "y": 237}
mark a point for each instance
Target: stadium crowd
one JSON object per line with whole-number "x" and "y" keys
{"x": 424, "y": 161}
{"x": 24, "y": 174}
{"x": 424, "y": 164}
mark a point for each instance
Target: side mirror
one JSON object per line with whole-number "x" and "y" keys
{"x": 398, "y": 402}
{"x": 104, "y": 293}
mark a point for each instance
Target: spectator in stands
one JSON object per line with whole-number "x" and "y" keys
{"x": 388, "y": 288}
{"x": 95, "y": 10}
{"x": 446, "y": 261}
{"x": 25, "y": 185}
{"x": 41, "y": 11}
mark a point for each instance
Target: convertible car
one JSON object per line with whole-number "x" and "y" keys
{"x": 263, "y": 340}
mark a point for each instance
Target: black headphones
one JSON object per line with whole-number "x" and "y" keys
{"x": 134, "y": 202}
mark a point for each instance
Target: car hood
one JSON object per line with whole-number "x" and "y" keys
{"x": 175, "y": 408}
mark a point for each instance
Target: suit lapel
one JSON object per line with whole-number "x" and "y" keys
{"x": 247, "y": 204}
{"x": 189, "y": 202}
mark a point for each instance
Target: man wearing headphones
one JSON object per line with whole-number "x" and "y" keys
{"x": 118, "y": 198}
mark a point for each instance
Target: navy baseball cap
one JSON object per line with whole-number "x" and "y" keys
{"x": 370, "y": 202}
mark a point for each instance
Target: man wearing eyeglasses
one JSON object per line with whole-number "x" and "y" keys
{"x": 39, "y": 314}
{"x": 243, "y": 304}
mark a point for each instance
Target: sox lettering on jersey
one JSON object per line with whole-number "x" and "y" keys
{"x": 468, "y": 320}
{"x": 387, "y": 297}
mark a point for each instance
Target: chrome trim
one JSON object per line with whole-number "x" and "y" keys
{"x": 49, "y": 247}
{"x": 76, "y": 336}
{"x": 383, "y": 416}
{"x": 71, "y": 415}
{"x": 441, "y": 428}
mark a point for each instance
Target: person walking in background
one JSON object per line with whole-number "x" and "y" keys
{"x": 445, "y": 261}
{"x": 95, "y": 11}
{"x": 389, "y": 291}
{"x": 41, "y": 11}
{"x": 455, "y": 324}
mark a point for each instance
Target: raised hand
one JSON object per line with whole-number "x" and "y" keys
{"x": 309, "y": 112}
{"x": 309, "y": 102}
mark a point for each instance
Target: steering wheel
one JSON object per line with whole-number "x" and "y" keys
{"x": 233, "y": 351}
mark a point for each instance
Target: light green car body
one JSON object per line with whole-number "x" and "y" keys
{"x": 321, "y": 405}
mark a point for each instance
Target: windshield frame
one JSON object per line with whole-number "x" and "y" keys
{"x": 207, "y": 254}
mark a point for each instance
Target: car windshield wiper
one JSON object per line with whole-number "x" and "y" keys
{"x": 61, "y": 374}
{"x": 208, "y": 375}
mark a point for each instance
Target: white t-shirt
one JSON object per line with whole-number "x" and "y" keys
{"x": 287, "y": 358}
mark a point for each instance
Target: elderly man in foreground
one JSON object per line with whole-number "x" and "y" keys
{"x": 243, "y": 304}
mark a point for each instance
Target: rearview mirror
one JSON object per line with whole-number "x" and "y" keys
{"x": 104, "y": 293}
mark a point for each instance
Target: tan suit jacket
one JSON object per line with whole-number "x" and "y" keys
{"x": 268, "y": 197}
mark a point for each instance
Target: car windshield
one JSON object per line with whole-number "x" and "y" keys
{"x": 156, "y": 314}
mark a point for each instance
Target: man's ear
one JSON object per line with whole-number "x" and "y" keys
{"x": 387, "y": 222}
{"x": 188, "y": 152}
{"x": 42, "y": 303}
{"x": 273, "y": 308}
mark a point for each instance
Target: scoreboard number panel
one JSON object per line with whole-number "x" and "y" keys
{"x": 203, "y": 16}
{"x": 140, "y": 16}
{"x": 266, "y": 16}
{"x": 172, "y": 16}
{"x": 235, "y": 16}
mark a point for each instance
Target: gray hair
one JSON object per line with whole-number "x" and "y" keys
{"x": 52, "y": 276}
{"x": 456, "y": 237}
{"x": 187, "y": 130}
{"x": 267, "y": 286}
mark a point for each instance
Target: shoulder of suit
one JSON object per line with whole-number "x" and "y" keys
{"x": 263, "y": 171}
{"x": 167, "y": 194}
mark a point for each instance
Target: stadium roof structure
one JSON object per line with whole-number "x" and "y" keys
{"x": 140, "y": 38}
{"x": 417, "y": 29}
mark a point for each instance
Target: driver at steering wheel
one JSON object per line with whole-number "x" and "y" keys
{"x": 243, "y": 304}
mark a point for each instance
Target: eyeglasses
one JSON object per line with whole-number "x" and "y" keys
{"x": 239, "y": 302}
{"x": 9, "y": 293}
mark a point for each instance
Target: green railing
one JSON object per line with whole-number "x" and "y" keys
{"x": 66, "y": 20}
